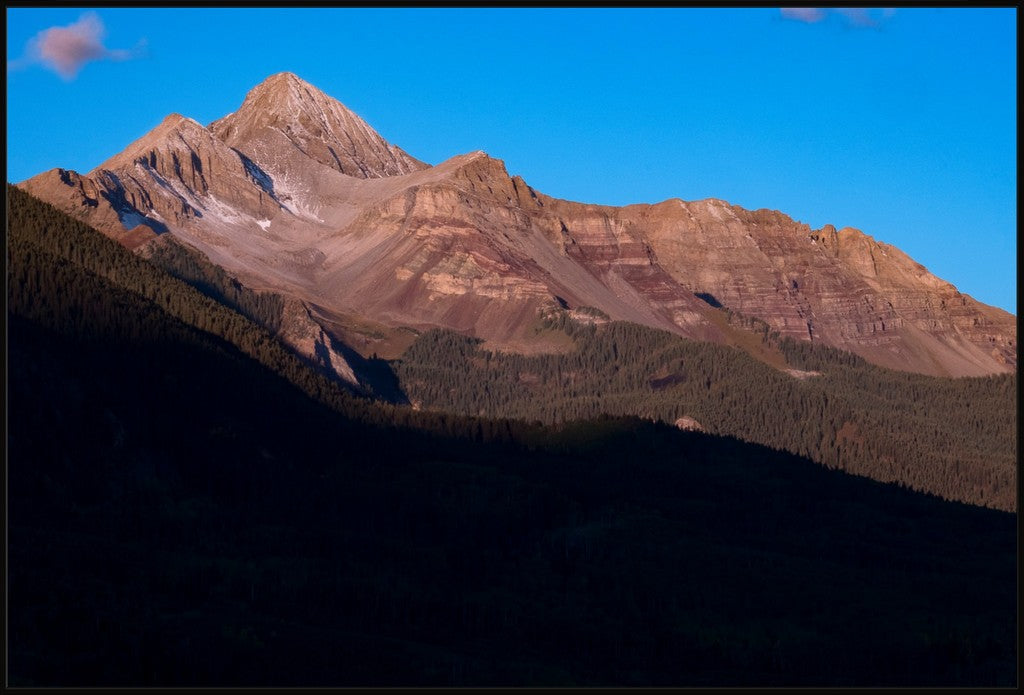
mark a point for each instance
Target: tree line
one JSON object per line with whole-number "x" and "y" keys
{"x": 952, "y": 437}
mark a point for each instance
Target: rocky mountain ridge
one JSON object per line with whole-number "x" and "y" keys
{"x": 295, "y": 194}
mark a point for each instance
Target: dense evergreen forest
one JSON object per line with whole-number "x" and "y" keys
{"x": 264, "y": 308}
{"x": 955, "y": 438}
{"x": 188, "y": 504}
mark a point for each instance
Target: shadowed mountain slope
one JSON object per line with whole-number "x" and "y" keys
{"x": 188, "y": 505}
{"x": 951, "y": 437}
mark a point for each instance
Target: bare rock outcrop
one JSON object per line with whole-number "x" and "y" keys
{"x": 689, "y": 424}
{"x": 301, "y": 332}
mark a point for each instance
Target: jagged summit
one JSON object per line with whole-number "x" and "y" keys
{"x": 284, "y": 114}
{"x": 174, "y": 132}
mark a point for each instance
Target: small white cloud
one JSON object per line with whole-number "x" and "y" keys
{"x": 66, "y": 49}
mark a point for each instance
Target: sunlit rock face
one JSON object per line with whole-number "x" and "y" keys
{"x": 296, "y": 194}
{"x": 285, "y": 113}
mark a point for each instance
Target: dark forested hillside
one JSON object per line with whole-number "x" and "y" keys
{"x": 263, "y": 308}
{"x": 73, "y": 279}
{"x": 189, "y": 506}
{"x": 952, "y": 437}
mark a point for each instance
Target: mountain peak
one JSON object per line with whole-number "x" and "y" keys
{"x": 284, "y": 76}
{"x": 284, "y": 89}
{"x": 284, "y": 114}
{"x": 175, "y": 121}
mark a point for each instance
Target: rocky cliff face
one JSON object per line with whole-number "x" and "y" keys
{"x": 295, "y": 193}
{"x": 178, "y": 175}
{"x": 841, "y": 288}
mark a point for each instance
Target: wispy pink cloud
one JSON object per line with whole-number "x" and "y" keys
{"x": 856, "y": 17}
{"x": 66, "y": 50}
{"x": 803, "y": 14}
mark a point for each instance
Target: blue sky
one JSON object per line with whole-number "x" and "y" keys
{"x": 902, "y": 123}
